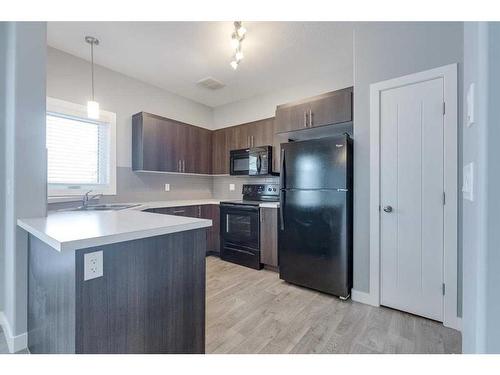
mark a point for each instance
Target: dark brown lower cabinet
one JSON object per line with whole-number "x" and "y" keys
{"x": 206, "y": 211}
{"x": 269, "y": 236}
{"x": 211, "y": 211}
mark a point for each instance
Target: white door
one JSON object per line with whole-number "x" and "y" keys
{"x": 412, "y": 185}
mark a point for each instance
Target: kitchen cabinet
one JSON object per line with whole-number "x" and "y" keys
{"x": 189, "y": 211}
{"x": 198, "y": 150}
{"x": 220, "y": 151}
{"x": 269, "y": 236}
{"x": 206, "y": 211}
{"x": 160, "y": 144}
{"x": 211, "y": 211}
{"x": 327, "y": 109}
{"x": 252, "y": 134}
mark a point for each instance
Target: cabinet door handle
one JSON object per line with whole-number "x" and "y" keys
{"x": 179, "y": 166}
{"x": 310, "y": 118}
{"x": 305, "y": 119}
{"x": 179, "y": 211}
{"x": 253, "y": 141}
{"x": 199, "y": 211}
{"x": 183, "y": 165}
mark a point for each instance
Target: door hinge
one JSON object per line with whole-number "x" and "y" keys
{"x": 444, "y": 289}
{"x": 444, "y": 108}
{"x": 444, "y": 198}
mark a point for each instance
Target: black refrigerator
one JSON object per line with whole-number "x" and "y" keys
{"x": 315, "y": 234}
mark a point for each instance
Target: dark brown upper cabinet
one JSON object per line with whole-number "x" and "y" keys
{"x": 160, "y": 144}
{"x": 326, "y": 109}
{"x": 252, "y": 134}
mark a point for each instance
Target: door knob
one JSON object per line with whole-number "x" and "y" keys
{"x": 387, "y": 209}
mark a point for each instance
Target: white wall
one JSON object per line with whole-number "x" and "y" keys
{"x": 68, "y": 78}
{"x": 264, "y": 106}
{"x": 25, "y": 161}
{"x": 385, "y": 50}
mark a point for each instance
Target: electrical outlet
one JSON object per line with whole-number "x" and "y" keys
{"x": 93, "y": 265}
{"x": 167, "y": 187}
{"x": 232, "y": 187}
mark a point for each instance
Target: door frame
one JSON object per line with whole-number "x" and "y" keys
{"x": 450, "y": 259}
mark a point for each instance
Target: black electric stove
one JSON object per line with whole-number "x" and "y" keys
{"x": 240, "y": 224}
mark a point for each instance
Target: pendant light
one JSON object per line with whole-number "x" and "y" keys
{"x": 92, "y": 105}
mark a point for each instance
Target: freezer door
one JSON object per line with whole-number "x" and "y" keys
{"x": 313, "y": 241}
{"x": 315, "y": 164}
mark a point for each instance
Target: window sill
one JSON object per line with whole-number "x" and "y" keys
{"x": 64, "y": 199}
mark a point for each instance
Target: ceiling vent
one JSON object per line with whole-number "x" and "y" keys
{"x": 211, "y": 83}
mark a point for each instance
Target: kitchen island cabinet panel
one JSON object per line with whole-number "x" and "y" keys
{"x": 150, "y": 299}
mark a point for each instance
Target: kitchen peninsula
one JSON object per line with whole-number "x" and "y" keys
{"x": 116, "y": 282}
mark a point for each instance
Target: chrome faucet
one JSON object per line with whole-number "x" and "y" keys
{"x": 87, "y": 198}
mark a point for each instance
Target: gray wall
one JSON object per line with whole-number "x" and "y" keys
{"x": 68, "y": 78}
{"x": 3, "y": 67}
{"x": 481, "y": 324}
{"x": 493, "y": 187}
{"x": 474, "y": 213}
{"x": 133, "y": 187}
{"x": 264, "y": 106}
{"x": 25, "y": 157}
{"x": 383, "y": 51}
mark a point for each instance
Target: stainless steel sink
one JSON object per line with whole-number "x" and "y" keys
{"x": 104, "y": 207}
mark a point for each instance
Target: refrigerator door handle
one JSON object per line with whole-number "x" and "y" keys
{"x": 281, "y": 207}
{"x": 282, "y": 186}
{"x": 282, "y": 169}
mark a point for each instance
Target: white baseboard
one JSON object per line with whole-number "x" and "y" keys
{"x": 363, "y": 297}
{"x": 455, "y": 323}
{"x": 368, "y": 299}
{"x": 15, "y": 343}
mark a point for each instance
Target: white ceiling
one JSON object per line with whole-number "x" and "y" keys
{"x": 176, "y": 55}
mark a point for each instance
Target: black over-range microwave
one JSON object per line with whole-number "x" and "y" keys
{"x": 256, "y": 161}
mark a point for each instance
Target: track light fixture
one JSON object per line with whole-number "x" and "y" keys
{"x": 236, "y": 43}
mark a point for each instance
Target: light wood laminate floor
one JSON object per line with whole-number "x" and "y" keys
{"x": 251, "y": 311}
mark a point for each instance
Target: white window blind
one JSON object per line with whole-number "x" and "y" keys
{"x": 81, "y": 152}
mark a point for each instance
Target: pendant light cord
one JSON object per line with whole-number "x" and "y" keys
{"x": 92, "y": 67}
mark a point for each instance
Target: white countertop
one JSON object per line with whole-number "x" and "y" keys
{"x": 175, "y": 203}
{"x": 71, "y": 230}
{"x": 194, "y": 202}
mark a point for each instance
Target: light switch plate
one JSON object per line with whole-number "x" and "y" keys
{"x": 232, "y": 187}
{"x": 470, "y": 105}
{"x": 468, "y": 182}
{"x": 167, "y": 187}
{"x": 93, "y": 265}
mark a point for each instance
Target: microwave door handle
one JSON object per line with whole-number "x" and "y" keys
{"x": 259, "y": 163}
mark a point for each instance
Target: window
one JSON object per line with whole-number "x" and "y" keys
{"x": 80, "y": 151}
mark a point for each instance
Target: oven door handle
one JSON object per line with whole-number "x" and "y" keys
{"x": 235, "y": 208}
